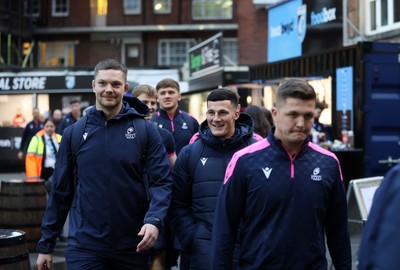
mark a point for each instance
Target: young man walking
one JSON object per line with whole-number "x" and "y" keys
{"x": 199, "y": 172}
{"x": 113, "y": 223}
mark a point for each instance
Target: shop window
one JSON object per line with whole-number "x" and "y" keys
{"x": 60, "y": 8}
{"x": 162, "y": 6}
{"x": 56, "y": 54}
{"x": 173, "y": 52}
{"x": 211, "y": 9}
{"x": 383, "y": 16}
{"x": 230, "y": 52}
{"x": 32, "y": 8}
{"x": 132, "y": 6}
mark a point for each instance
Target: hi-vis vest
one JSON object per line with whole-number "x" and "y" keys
{"x": 34, "y": 156}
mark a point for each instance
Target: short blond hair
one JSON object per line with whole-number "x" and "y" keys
{"x": 144, "y": 89}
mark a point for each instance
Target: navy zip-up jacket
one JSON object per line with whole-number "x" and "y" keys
{"x": 65, "y": 122}
{"x": 285, "y": 206}
{"x": 182, "y": 126}
{"x": 109, "y": 206}
{"x": 380, "y": 243}
{"x": 195, "y": 192}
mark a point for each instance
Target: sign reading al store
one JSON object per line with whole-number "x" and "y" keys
{"x": 44, "y": 82}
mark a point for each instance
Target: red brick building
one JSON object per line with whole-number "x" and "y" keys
{"x": 148, "y": 34}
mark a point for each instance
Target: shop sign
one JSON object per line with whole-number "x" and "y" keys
{"x": 300, "y": 27}
{"x": 206, "y": 57}
{"x": 10, "y": 142}
{"x": 30, "y": 83}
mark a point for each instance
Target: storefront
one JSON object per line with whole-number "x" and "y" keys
{"x": 359, "y": 85}
{"x": 207, "y": 72}
{"x": 50, "y": 90}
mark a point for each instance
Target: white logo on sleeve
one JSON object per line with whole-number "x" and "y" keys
{"x": 267, "y": 171}
{"x": 84, "y": 136}
{"x": 315, "y": 176}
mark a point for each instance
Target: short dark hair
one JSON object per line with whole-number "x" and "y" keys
{"x": 49, "y": 119}
{"x": 168, "y": 82}
{"x": 107, "y": 64}
{"x": 74, "y": 101}
{"x": 295, "y": 88}
{"x": 320, "y": 106}
{"x": 260, "y": 121}
{"x": 224, "y": 94}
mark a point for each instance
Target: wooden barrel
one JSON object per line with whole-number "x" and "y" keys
{"x": 22, "y": 205}
{"x": 13, "y": 250}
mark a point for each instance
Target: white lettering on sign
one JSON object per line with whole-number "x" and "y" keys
{"x": 283, "y": 28}
{"x": 326, "y": 15}
{"x": 29, "y": 83}
{"x": 5, "y": 143}
{"x": 5, "y": 83}
{"x": 23, "y": 83}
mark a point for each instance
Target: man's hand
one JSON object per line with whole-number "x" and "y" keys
{"x": 149, "y": 233}
{"x": 20, "y": 154}
{"x": 44, "y": 261}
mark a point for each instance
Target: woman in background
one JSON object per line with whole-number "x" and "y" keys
{"x": 42, "y": 152}
{"x": 261, "y": 123}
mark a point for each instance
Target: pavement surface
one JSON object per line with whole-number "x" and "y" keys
{"x": 59, "y": 259}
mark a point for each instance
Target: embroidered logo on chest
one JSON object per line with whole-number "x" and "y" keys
{"x": 316, "y": 174}
{"x": 203, "y": 160}
{"x": 267, "y": 172}
{"x": 130, "y": 133}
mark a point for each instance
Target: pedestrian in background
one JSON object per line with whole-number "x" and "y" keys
{"x": 71, "y": 117}
{"x": 285, "y": 195}
{"x": 57, "y": 116}
{"x": 30, "y": 130}
{"x": 42, "y": 152}
{"x": 318, "y": 127}
{"x": 148, "y": 95}
{"x": 113, "y": 223}
{"x": 199, "y": 173}
{"x": 161, "y": 250}
{"x": 261, "y": 123}
{"x": 380, "y": 242}
{"x": 19, "y": 119}
{"x": 182, "y": 125}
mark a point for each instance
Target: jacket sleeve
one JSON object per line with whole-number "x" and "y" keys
{"x": 195, "y": 124}
{"x": 337, "y": 233}
{"x": 33, "y": 163}
{"x": 228, "y": 213}
{"x": 181, "y": 212}
{"x": 380, "y": 245}
{"x": 24, "y": 141}
{"x": 60, "y": 197}
{"x": 159, "y": 171}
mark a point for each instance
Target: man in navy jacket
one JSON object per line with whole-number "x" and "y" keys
{"x": 380, "y": 243}
{"x": 285, "y": 195}
{"x": 112, "y": 222}
{"x": 71, "y": 117}
{"x": 182, "y": 125}
{"x": 199, "y": 172}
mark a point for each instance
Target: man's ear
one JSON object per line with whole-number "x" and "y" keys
{"x": 274, "y": 112}
{"x": 93, "y": 85}
{"x": 126, "y": 88}
{"x": 237, "y": 112}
